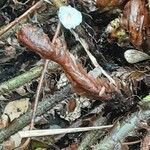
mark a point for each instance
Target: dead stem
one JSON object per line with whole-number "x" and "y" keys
{"x": 17, "y": 20}
{"x": 41, "y": 79}
{"x": 25, "y": 144}
{"x": 92, "y": 58}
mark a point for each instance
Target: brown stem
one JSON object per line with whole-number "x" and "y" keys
{"x": 84, "y": 84}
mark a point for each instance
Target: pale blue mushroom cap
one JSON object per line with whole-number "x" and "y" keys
{"x": 69, "y": 17}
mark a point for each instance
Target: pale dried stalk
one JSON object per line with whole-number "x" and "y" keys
{"x": 41, "y": 80}
{"x": 47, "y": 132}
{"x": 26, "y": 143}
{"x": 92, "y": 58}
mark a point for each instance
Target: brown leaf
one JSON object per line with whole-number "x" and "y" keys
{"x": 110, "y": 3}
{"x": 136, "y": 21}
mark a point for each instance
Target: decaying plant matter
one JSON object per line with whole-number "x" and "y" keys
{"x": 136, "y": 21}
{"x": 83, "y": 83}
{"x": 25, "y": 119}
{"x": 114, "y": 33}
{"x": 109, "y": 3}
{"x": 93, "y": 5}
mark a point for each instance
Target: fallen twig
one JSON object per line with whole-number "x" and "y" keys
{"x": 35, "y": 133}
{"x": 92, "y": 58}
{"x": 41, "y": 80}
{"x": 39, "y": 88}
{"x": 20, "y": 80}
{"x": 131, "y": 143}
{"x": 121, "y": 131}
{"x": 92, "y": 137}
{"x": 43, "y": 106}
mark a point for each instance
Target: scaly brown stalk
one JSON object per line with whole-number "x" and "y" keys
{"x": 83, "y": 83}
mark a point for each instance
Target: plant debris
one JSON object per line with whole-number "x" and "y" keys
{"x": 91, "y": 71}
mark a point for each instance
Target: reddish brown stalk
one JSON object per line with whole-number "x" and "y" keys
{"x": 84, "y": 84}
{"x": 136, "y": 20}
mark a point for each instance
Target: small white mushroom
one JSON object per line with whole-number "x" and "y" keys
{"x": 69, "y": 17}
{"x": 133, "y": 56}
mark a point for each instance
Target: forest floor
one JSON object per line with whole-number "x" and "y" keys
{"x": 94, "y": 74}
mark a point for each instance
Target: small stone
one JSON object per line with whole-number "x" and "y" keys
{"x": 134, "y": 56}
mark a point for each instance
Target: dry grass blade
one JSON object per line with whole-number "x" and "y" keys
{"x": 39, "y": 88}
{"x": 92, "y": 58}
{"x": 47, "y": 132}
{"x": 41, "y": 79}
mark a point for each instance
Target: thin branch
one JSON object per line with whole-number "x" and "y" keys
{"x": 43, "y": 106}
{"x": 47, "y": 132}
{"x": 17, "y": 20}
{"x": 121, "y": 131}
{"x": 92, "y": 137}
{"x": 92, "y": 58}
{"x": 25, "y": 144}
{"x": 41, "y": 80}
{"x": 20, "y": 80}
{"x": 131, "y": 143}
{"x": 38, "y": 94}
{"x": 28, "y": 76}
